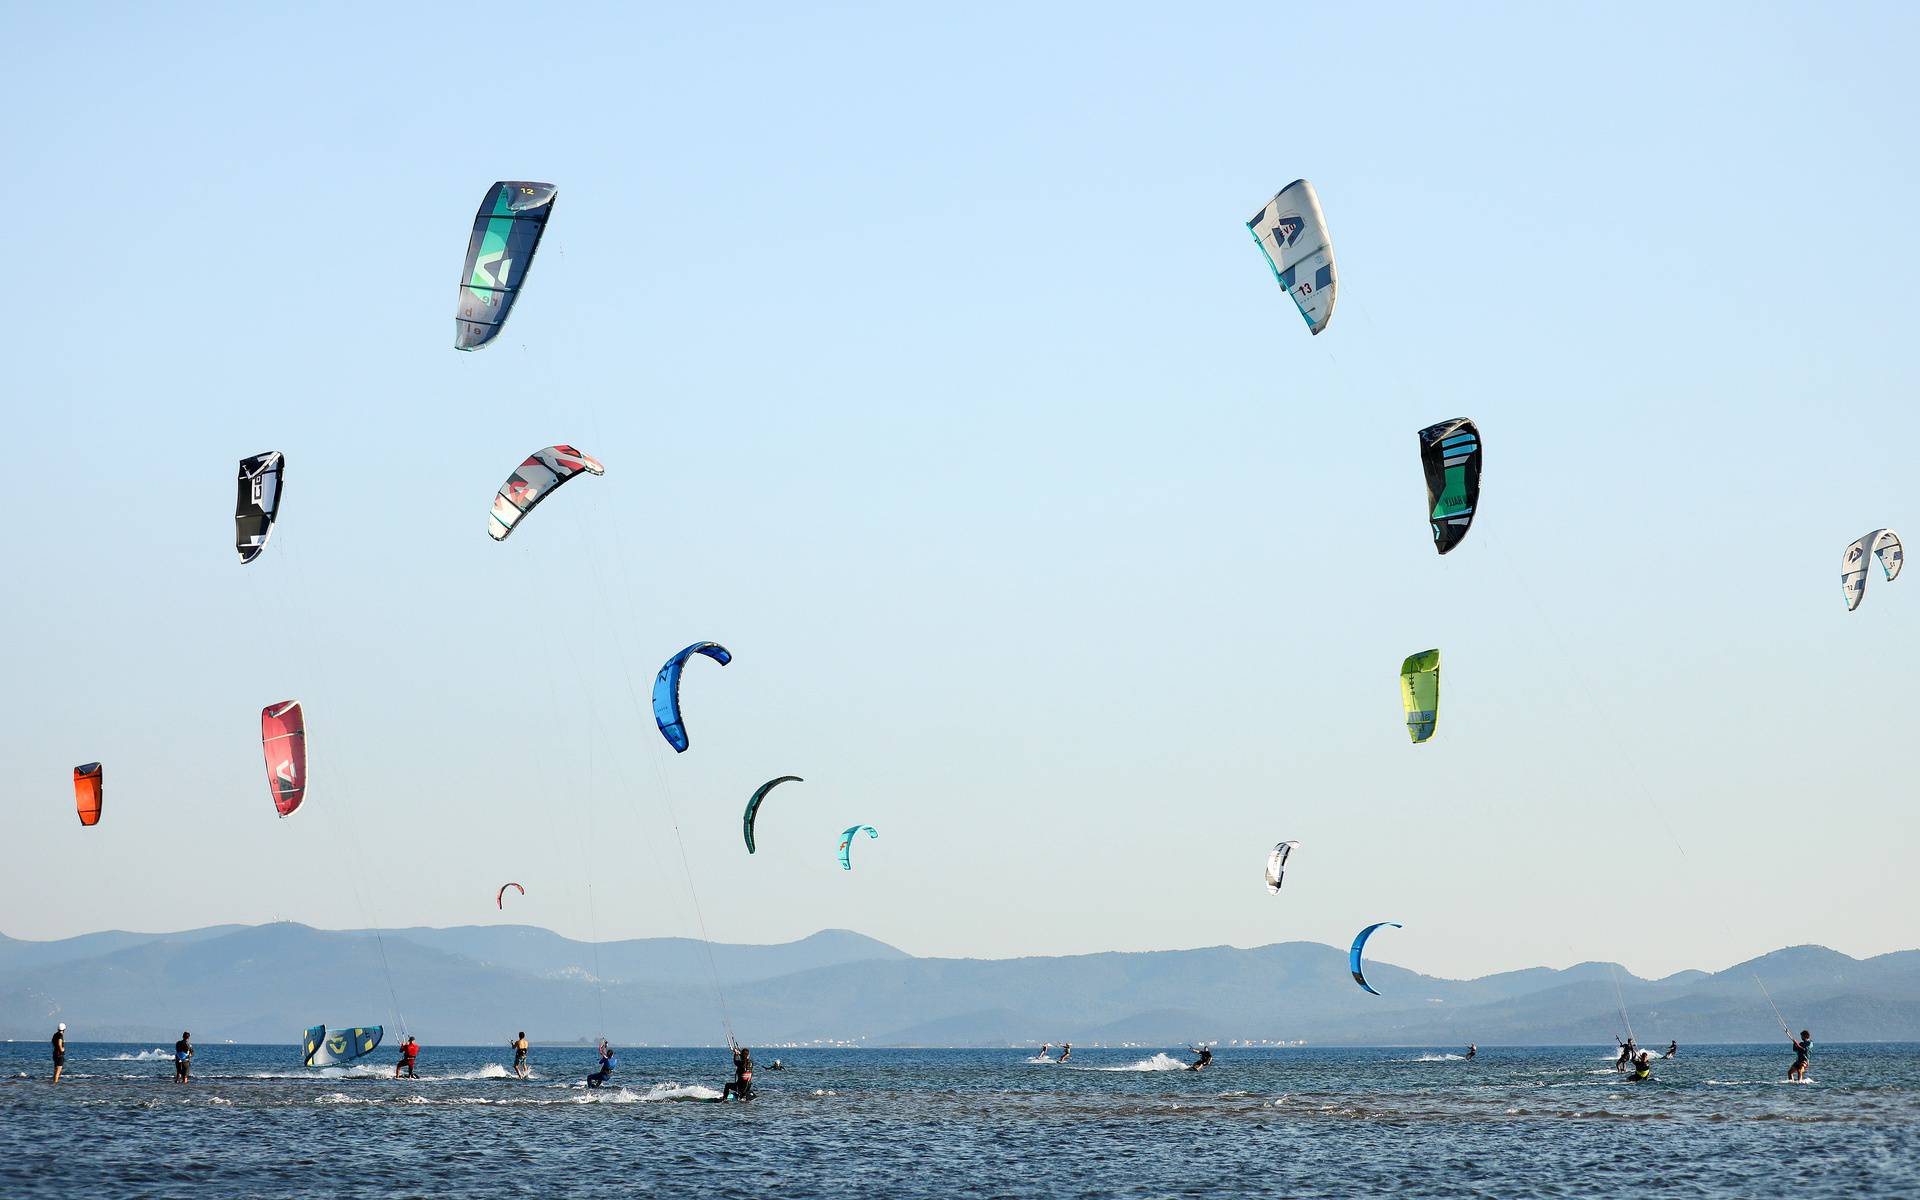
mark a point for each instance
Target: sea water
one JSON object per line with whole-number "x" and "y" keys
{"x": 1719, "y": 1121}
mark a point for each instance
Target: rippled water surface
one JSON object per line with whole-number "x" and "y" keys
{"x": 1718, "y": 1121}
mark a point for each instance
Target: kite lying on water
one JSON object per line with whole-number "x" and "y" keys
{"x": 325, "y": 1049}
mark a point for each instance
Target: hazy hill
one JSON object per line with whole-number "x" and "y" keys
{"x": 482, "y": 984}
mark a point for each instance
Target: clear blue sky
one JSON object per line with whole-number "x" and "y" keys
{"x": 936, "y": 375}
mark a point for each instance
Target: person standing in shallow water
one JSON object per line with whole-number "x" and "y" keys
{"x": 59, "y": 1050}
{"x": 409, "y": 1054}
{"x": 182, "y": 1057}
{"x": 1802, "y": 1047}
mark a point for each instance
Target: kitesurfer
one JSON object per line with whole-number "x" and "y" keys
{"x": 1627, "y": 1051}
{"x": 1064, "y": 1051}
{"x": 1673, "y": 1050}
{"x": 409, "y": 1053}
{"x": 59, "y": 1050}
{"x": 1802, "y": 1047}
{"x": 741, "y": 1085}
{"x": 606, "y": 1066}
{"x": 1472, "y": 1050}
{"x": 1044, "y": 1047}
{"x": 1206, "y": 1056}
{"x": 182, "y": 1057}
{"x": 520, "y": 1055}
{"x": 1642, "y": 1069}
{"x": 776, "y": 1066}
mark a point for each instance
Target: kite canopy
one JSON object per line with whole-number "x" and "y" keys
{"x": 1353, "y": 956}
{"x": 506, "y": 232}
{"x": 535, "y": 480}
{"x": 88, "y": 792}
{"x": 283, "y": 737}
{"x": 1450, "y": 454}
{"x": 258, "y": 503}
{"x": 1277, "y": 864}
{"x": 1853, "y": 567}
{"x": 1292, "y": 232}
{"x": 846, "y": 844}
{"x": 666, "y": 691}
{"x": 325, "y": 1049}
{"x": 500, "y": 901}
{"x": 753, "y": 805}
{"x": 1420, "y": 693}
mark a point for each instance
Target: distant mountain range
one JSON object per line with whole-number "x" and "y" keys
{"x": 481, "y": 984}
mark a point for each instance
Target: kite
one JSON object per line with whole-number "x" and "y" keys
{"x": 1420, "y": 693}
{"x": 535, "y": 480}
{"x": 666, "y": 691}
{"x": 258, "y": 503}
{"x": 1292, "y": 232}
{"x": 1353, "y": 956}
{"x": 506, "y": 232}
{"x": 753, "y": 805}
{"x": 88, "y": 789}
{"x": 1450, "y": 454}
{"x": 1853, "y": 567}
{"x": 283, "y": 737}
{"x": 1277, "y": 864}
{"x": 846, "y": 844}
{"x": 500, "y": 901}
{"x": 325, "y": 1049}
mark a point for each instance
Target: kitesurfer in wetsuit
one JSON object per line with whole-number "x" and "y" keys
{"x": 59, "y": 1050}
{"x": 1627, "y": 1051}
{"x": 776, "y": 1066}
{"x": 1801, "y": 1049}
{"x": 1642, "y": 1070}
{"x": 520, "y": 1055}
{"x": 1064, "y": 1051}
{"x": 182, "y": 1057}
{"x": 1472, "y": 1050}
{"x": 741, "y": 1085}
{"x": 409, "y": 1052}
{"x": 1206, "y": 1056}
{"x": 606, "y": 1066}
{"x": 1673, "y": 1050}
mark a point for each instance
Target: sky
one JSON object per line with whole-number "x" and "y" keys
{"x": 936, "y": 376}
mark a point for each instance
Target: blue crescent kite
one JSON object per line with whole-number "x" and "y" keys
{"x": 666, "y": 691}
{"x": 1353, "y": 956}
{"x": 846, "y": 844}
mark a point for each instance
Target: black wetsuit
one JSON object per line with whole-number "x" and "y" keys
{"x": 1800, "y": 1052}
{"x": 740, "y": 1087}
{"x": 59, "y": 1049}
